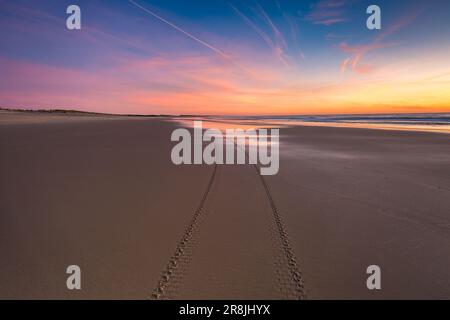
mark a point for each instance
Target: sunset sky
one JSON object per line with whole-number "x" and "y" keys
{"x": 226, "y": 57}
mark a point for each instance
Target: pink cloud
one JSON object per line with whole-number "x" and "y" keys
{"x": 344, "y": 65}
{"x": 330, "y": 21}
{"x": 162, "y": 84}
{"x": 328, "y": 12}
{"x": 358, "y": 52}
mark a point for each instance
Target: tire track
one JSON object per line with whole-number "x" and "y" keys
{"x": 295, "y": 278}
{"x": 174, "y": 271}
{"x": 292, "y": 283}
{"x": 287, "y": 271}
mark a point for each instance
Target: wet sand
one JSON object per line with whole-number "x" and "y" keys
{"x": 102, "y": 193}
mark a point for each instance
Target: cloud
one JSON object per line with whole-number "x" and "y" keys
{"x": 204, "y": 84}
{"x": 167, "y": 83}
{"x": 294, "y": 29}
{"x": 276, "y": 42}
{"x": 344, "y": 65}
{"x": 328, "y": 12}
{"x": 358, "y": 52}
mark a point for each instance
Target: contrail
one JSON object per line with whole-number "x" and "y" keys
{"x": 218, "y": 51}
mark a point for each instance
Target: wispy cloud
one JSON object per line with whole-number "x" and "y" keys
{"x": 344, "y": 65}
{"x": 328, "y": 12}
{"x": 294, "y": 29}
{"x": 280, "y": 41}
{"x": 276, "y": 41}
{"x": 358, "y": 52}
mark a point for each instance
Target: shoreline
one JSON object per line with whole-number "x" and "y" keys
{"x": 43, "y": 116}
{"x": 209, "y": 123}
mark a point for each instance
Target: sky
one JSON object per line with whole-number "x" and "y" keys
{"x": 229, "y": 57}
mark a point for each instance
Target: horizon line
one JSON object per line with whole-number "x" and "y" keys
{"x": 211, "y": 115}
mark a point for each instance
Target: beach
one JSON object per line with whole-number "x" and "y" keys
{"x": 101, "y": 192}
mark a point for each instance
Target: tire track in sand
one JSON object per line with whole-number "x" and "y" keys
{"x": 293, "y": 285}
{"x": 291, "y": 282}
{"x": 174, "y": 271}
{"x": 288, "y": 273}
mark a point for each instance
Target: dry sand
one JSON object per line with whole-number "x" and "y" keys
{"x": 102, "y": 193}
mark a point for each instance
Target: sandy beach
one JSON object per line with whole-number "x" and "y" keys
{"x": 102, "y": 193}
